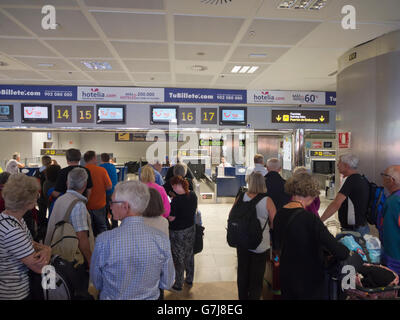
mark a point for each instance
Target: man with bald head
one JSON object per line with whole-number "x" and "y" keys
{"x": 391, "y": 218}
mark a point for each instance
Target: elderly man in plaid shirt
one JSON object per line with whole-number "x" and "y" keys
{"x": 134, "y": 260}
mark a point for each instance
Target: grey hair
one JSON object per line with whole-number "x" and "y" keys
{"x": 395, "y": 174}
{"x": 76, "y": 179}
{"x": 136, "y": 193}
{"x": 350, "y": 159}
{"x": 273, "y": 164}
{"x": 298, "y": 170}
{"x": 16, "y": 155}
{"x": 180, "y": 169}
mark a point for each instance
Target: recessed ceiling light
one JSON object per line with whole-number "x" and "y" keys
{"x": 244, "y": 69}
{"x": 302, "y": 4}
{"x": 287, "y": 4}
{"x": 95, "y": 65}
{"x": 48, "y": 65}
{"x": 257, "y": 55}
{"x": 236, "y": 69}
{"x": 216, "y": 1}
{"x": 253, "y": 69}
{"x": 198, "y": 67}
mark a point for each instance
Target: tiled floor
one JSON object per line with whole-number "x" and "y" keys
{"x": 215, "y": 266}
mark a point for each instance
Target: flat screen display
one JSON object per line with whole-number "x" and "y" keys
{"x": 233, "y": 116}
{"x": 110, "y": 114}
{"x": 36, "y": 113}
{"x": 6, "y": 112}
{"x": 163, "y": 115}
{"x": 323, "y": 167}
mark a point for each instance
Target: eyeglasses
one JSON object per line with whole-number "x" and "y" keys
{"x": 114, "y": 202}
{"x": 386, "y": 175}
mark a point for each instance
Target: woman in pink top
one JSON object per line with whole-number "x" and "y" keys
{"x": 147, "y": 177}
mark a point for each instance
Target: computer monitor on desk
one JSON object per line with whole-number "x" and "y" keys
{"x": 198, "y": 169}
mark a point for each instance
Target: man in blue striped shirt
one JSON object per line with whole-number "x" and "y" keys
{"x": 134, "y": 260}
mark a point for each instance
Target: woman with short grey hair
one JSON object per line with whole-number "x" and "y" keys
{"x": 300, "y": 237}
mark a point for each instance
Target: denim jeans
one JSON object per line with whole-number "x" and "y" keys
{"x": 99, "y": 221}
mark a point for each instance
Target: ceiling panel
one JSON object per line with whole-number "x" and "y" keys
{"x": 277, "y": 32}
{"x": 261, "y": 68}
{"x": 24, "y": 47}
{"x": 81, "y": 48}
{"x": 235, "y": 79}
{"x": 132, "y": 26}
{"x": 58, "y": 64}
{"x": 332, "y": 35}
{"x": 23, "y": 74}
{"x": 137, "y": 50}
{"x": 185, "y": 66}
{"x": 147, "y": 66}
{"x": 108, "y": 76}
{"x": 65, "y": 75}
{"x": 129, "y": 4}
{"x": 206, "y": 29}
{"x": 194, "y": 78}
{"x": 72, "y": 23}
{"x": 201, "y": 52}
{"x": 9, "y": 28}
{"x": 39, "y": 3}
{"x": 242, "y": 54}
{"x": 152, "y": 77}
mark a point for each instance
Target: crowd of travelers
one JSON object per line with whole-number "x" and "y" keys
{"x": 135, "y": 238}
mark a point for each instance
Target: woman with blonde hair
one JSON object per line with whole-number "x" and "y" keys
{"x": 302, "y": 238}
{"x": 147, "y": 177}
{"x": 251, "y": 263}
{"x": 18, "y": 251}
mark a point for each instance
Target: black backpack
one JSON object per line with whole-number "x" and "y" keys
{"x": 244, "y": 229}
{"x": 376, "y": 202}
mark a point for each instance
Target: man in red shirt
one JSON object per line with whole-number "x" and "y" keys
{"x": 97, "y": 200}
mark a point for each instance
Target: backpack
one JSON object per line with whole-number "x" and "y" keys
{"x": 244, "y": 229}
{"x": 64, "y": 241}
{"x": 376, "y": 202}
{"x": 71, "y": 283}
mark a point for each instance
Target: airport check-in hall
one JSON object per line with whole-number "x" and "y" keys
{"x": 194, "y": 108}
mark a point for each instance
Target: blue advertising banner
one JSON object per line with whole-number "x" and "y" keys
{"x": 330, "y": 98}
{"x": 188, "y": 95}
{"x": 17, "y": 92}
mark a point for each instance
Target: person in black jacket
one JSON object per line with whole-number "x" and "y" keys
{"x": 302, "y": 239}
{"x": 180, "y": 169}
{"x": 276, "y": 184}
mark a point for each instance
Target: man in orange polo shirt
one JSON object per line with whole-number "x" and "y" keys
{"x": 97, "y": 200}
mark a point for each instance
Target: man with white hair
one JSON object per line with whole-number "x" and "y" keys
{"x": 276, "y": 184}
{"x": 352, "y": 198}
{"x": 73, "y": 202}
{"x": 14, "y": 164}
{"x": 391, "y": 218}
{"x": 258, "y": 166}
{"x": 133, "y": 261}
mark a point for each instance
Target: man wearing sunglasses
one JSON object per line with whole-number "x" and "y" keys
{"x": 391, "y": 218}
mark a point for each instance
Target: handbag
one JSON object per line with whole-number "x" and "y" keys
{"x": 198, "y": 235}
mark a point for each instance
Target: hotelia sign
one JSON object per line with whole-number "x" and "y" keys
{"x": 160, "y": 95}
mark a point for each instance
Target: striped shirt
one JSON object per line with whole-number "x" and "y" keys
{"x": 15, "y": 244}
{"x": 132, "y": 262}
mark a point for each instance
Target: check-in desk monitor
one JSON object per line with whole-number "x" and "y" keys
{"x": 35, "y": 113}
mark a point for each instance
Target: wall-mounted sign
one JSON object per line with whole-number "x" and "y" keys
{"x": 85, "y": 114}
{"x": 300, "y": 116}
{"x": 211, "y": 143}
{"x": 209, "y": 115}
{"x": 188, "y": 95}
{"x": 16, "y": 92}
{"x": 53, "y": 152}
{"x": 316, "y": 145}
{"x": 6, "y": 112}
{"x": 119, "y": 94}
{"x": 344, "y": 140}
{"x": 286, "y": 97}
{"x": 62, "y": 114}
{"x": 323, "y": 153}
{"x": 327, "y": 144}
{"x": 187, "y": 116}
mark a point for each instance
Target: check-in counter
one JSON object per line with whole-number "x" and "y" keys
{"x": 29, "y": 171}
{"x": 121, "y": 172}
{"x": 228, "y": 184}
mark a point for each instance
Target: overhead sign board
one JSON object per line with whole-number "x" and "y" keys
{"x": 16, "y": 92}
{"x": 323, "y": 153}
{"x": 300, "y": 116}
{"x": 286, "y": 97}
{"x": 118, "y": 94}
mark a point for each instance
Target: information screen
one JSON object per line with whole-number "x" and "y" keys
{"x": 110, "y": 114}
{"x": 36, "y": 113}
{"x": 163, "y": 115}
{"x": 234, "y": 116}
{"x": 6, "y": 112}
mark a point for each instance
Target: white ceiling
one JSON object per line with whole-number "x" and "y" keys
{"x": 156, "y": 42}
